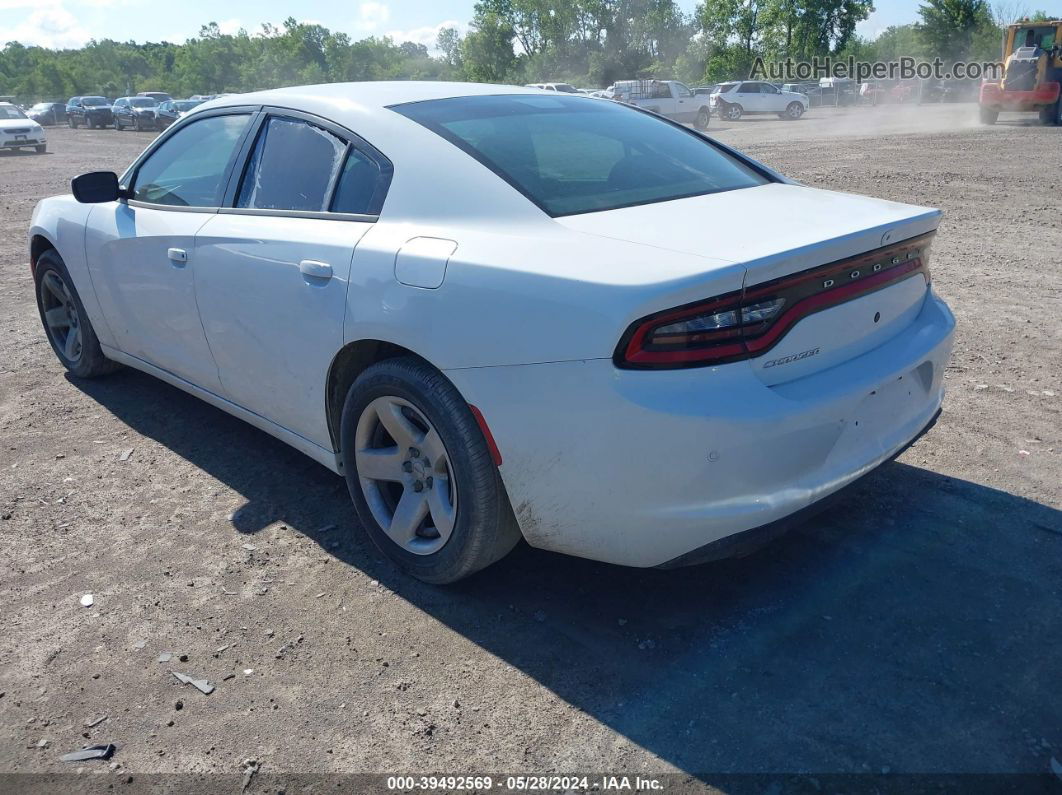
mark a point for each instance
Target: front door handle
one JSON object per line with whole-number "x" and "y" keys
{"x": 178, "y": 256}
{"x": 315, "y": 269}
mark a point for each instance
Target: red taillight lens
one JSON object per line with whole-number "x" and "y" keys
{"x": 748, "y": 323}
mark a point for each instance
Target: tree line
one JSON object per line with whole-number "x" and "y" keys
{"x": 589, "y": 43}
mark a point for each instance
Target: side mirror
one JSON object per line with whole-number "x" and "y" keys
{"x": 96, "y": 187}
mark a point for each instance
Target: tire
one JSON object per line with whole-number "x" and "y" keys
{"x": 84, "y": 358}
{"x": 72, "y": 122}
{"x": 732, "y": 111}
{"x": 988, "y": 116}
{"x": 1049, "y": 116}
{"x": 456, "y": 469}
{"x": 136, "y": 124}
{"x": 41, "y": 148}
{"x": 794, "y": 110}
{"x": 118, "y": 126}
{"x": 703, "y": 118}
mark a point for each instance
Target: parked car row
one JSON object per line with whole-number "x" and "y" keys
{"x": 148, "y": 110}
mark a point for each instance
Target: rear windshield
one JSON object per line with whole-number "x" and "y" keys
{"x": 577, "y": 155}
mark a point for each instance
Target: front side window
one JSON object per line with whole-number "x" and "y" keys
{"x": 750, "y": 88}
{"x": 293, "y": 167}
{"x": 569, "y": 156}
{"x": 189, "y": 168}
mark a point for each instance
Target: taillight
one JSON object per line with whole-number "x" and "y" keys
{"x": 747, "y": 323}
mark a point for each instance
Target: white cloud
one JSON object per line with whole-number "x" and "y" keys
{"x": 230, "y": 27}
{"x": 370, "y": 16}
{"x": 51, "y": 26}
{"x": 426, "y": 35}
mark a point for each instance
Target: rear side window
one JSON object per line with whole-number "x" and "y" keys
{"x": 359, "y": 189}
{"x": 293, "y": 167}
{"x": 575, "y": 155}
{"x": 189, "y": 168}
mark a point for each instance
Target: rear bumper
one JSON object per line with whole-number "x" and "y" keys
{"x": 750, "y": 540}
{"x": 641, "y": 468}
{"x": 994, "y": 97}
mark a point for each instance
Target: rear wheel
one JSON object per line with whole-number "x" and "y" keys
{"x": 988, "y": 116}
{"x": 421, "y": 475}
{"x": 65, "y": 322}
{"x": 703, "y": 118}
{"x": 732, "y": 111}
{"x": 794, "y": 111}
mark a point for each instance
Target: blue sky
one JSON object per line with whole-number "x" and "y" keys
{"x": 70, "y": 23}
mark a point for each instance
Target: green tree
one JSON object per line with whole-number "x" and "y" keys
{"x": 949, "y": 27}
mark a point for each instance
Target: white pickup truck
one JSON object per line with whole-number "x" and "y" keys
{"x": 669, "y": 98}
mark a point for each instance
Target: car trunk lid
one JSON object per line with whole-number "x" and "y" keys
{"x": 828, "y": 256}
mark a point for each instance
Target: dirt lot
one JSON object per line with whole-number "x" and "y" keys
{"x": 914, "y": 628}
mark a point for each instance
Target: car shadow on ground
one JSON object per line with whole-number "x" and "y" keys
{"x": 913, "y": 627}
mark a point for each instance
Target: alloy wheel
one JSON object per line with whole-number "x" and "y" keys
{"x": 405, "y": 475}
{"x": 61, "y": 316}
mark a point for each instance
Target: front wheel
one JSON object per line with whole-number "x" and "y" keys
{"x": 118, "y": 126}
{"x": 794, "y": 111}
{"x": 65, "y": 322}
{"x": 41, "y": 148}
{"x": 703, "y": 117}
{"x": 72, "y": 122}
{"x": 989, "y": 116}
{"x": 421, "y": 475}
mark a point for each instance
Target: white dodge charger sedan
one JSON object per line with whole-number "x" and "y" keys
{"x": 501, "y": 313}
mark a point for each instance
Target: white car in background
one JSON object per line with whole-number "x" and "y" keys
{"x": 733, "y": 100}
{"x": 500, "y": 313}
{"x": 18, "y": 131}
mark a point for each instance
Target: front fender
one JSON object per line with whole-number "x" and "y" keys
{"x": 59, "y": 222}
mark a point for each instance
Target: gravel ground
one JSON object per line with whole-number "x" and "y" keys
{"x": 914, "y": 628}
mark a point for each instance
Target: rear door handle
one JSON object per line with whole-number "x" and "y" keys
{"x": 177, "y": 255}
{"x": 315, "y": 269}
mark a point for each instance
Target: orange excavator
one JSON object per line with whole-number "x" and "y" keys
{"x": 1032, "y": 76}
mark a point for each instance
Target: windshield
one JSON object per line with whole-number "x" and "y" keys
{"x": 42, "y": 106}
{"x": 11, "y": 112}
{"x": 574, "y": 155}
{"x": 94, "y": 101}
{"x": 185, "y": 105}
{"x": 142, "y": 102}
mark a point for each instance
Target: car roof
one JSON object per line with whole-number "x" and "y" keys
{"x": 367, "y": 95}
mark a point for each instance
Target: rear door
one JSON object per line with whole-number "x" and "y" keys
{"x": 749, "y": 97}
{"x": 140, "y": 251}
{"x": 273, "y": 266}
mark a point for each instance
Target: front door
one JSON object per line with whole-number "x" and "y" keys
{"x": 141, "y": 251}
{"x": 272, "y": 271}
